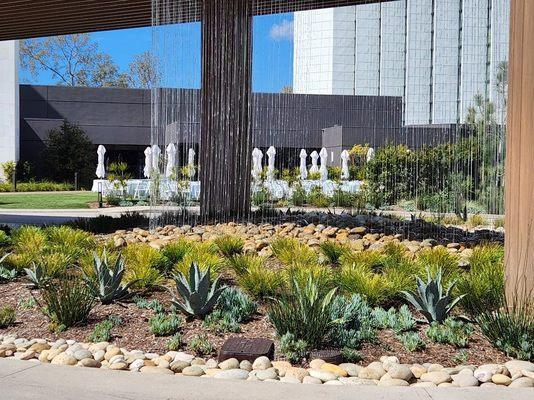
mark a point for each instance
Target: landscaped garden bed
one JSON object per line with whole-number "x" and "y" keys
{"x": 178, "y": 293}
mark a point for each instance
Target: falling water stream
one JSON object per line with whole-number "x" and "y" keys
{"x": 396, "y": 78}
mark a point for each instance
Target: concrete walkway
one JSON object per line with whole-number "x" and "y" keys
{"x": 26, "y": 380}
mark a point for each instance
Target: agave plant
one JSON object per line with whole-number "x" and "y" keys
{"x": 6, "y": 274}
{"x": 198, "y": 294}
{"x": 36, "y": 275}
{"x": 106, "y": 284}
{"x": 430, "y": 299}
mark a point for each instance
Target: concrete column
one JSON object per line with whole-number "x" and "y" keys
{"x": 519, "y": 183}
{"x": 9, "y": 101}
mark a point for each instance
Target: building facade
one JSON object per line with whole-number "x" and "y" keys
{"x": 435, "y": 54}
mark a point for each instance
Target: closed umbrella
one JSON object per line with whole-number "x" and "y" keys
{"x": 101, "y": 168}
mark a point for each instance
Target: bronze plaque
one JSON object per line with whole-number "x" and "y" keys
{"x": 246, "y": 349}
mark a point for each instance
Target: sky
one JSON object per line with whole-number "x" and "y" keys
{"x": 272, "y": 52}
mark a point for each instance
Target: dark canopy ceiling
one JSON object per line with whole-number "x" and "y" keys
{"x": 21, "y": 19}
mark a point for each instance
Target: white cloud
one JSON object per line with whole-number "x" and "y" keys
{"x": 282, "y": 31}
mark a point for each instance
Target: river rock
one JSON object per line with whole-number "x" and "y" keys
{"x": 501, "y": 379}
{"x": 436, "y": 377}
{"x": 262, "y": 363}
{"x": 522, "y": 382}
{"x": 400, "y": 371}
{"x": 465, "y": 380}
{"x": 324, "y": 376}
{"x": 231, "y": 363}
{"x": 193, "y": 370}
{"x": 239, "y": 374}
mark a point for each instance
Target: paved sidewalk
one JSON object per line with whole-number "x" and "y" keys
{"x": 26, "y": 380}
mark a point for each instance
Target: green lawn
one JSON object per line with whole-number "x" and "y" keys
{"x": 47, "y": 200}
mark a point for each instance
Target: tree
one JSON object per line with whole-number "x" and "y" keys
{"x": 67, "y": 151}
{"x": 74, "y": 60}
{"x": 287, "y": 89}
{"x": 143, "y": 71}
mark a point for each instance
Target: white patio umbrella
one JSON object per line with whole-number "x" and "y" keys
{"x": 191, "y": 162}
{"x": 345, "y": 165}
{"x": 271, "y": 153}
{"x": 171, "y": 159}
{"x": 314, "y": 168}
{"x": 257, "y": 156}
{"x": 370, "y": 154}
{"x": 100, "y": 167}
{"x": 156, "y": 153}
{"x": 148, "y": 163}
{"x": 323, "y": 170}
{"x": 303, "y": 169}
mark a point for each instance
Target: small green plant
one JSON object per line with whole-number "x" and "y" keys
{"x": 6, "y": 274}
{"x": 461, "y": 357}
{"x": 198, "y": 294}
{"x": 143, "y": 264}
{"x": 36, "y": 275}
{"x": 237, "y": 305}
{"x": 332, "y": 251}
{"x": 260, "y": 282}
{"x": 483, "y": 284}
{"x": 229, "y": 245}
{"x": 292, "y": 349}
{"x": 291, "y": 252}
{"x": 510, "y": 327}
{"x": 476, "y": 220}
{"x": 175, "y": 252}
{"x": 220, "y": 322}
{"x": 303, "y": 311}
{"x": 451, "y": 331}
{"x": 165, "y": 324}
{"x": 102, "y": 331}
{"x": 106, "y": 283}
{"x": 175, "y": 342}
{"x": 5, "y": 240}
{"x": 241, "y": 263}
{"x": 153, "y": 305}
{"x": 201, "y": 345}
{"x": 67, "y": 301}
{"x": 27, "y": 303}
{"x": 351, "y": 355}
{"x": 399, "y": 321}
{"x": 430, "y": 299}
{"x": 411, "y": 341}
{"x": 8, "y": 316}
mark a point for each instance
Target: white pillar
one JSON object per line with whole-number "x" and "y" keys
{"x": 9, "y": 101}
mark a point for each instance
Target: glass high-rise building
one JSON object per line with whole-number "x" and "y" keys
{"x": 436, "y": 54}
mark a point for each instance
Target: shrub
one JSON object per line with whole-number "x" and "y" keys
{"x": 236, "y": 304}
{"x": 357, "y": 279}
{"x": 290, "y": 252}
{"x": 107, "y": 224}
{"x": 204, "y": 255}
{"x": 332, "y": 251}
{"x": 351, "y": 355}
{"x": 221, "y": 322}
{"x": 351, "y": 322}
{"x": 165, "y": 325}
{"x": 153, "y": 305}
{"x": 198, "y": 294}
{"x": 303, "y": 311}
{"x": 322, "y": 276}
{"x": 483, "y": 285}
{"x": 229, "y": 245}
{"x": 68, "y": 301}
{"x": 102, "y": 331}
{"x": 298, "y": 197}
{"x": 73, "y": 242}
{"x": 430, "y": 300}
{"x": 292, "y": 349}
{"x": 5, "y": 240}
{"x": 175, "y": 252}
{"x": 436, "y": 259}
{"x": 400, "y": 321}
{"x": 510, "y": 328}
{"x": 452, "y": 332}
{"x": 142, "y": 263}
{"x": 411, "y": 341}
{"x": 8, "y": 316}
{"x": 106, "y": 284}
{"x": 29, "y": 240}
{"x": 201, "y": 345}
{"x": 241, "y": 263}
{"x": 8, "y": 170}
{"x": 476, "y": 220}
{"x": 175, "y": 342}
{"x": 260, "y": 282}
{"x": 6, "y": 274}
{"x": 261, "y": 197}
{"x": 317, "y": 198}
